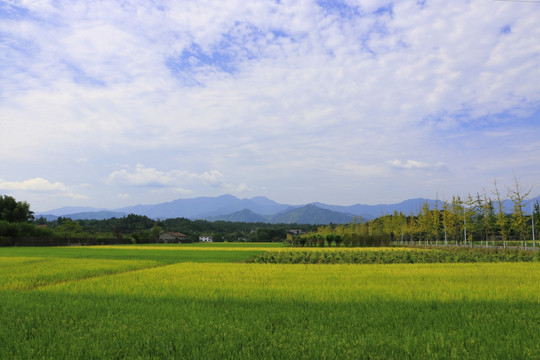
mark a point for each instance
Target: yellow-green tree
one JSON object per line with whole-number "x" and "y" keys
{"x": 456, "y": 219}
{"x": 488, "y": 218}
{"x": 502, "y": 222}
{"x": 446, "y": 219}
{"x": 518, "y": 195}
{"x": 424, "y": 222}
{"x": 469, "y": 223}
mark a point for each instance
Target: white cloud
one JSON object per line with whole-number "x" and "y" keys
{"x": 36, "y": 184}
{"x": 143, "y": 176}
{"x": 414, "y": 164}
{"x": 41, "y": 189}
{"x": 238, "y": 189}
{"x": 212, "y": 177}
{"x": 151, "y": 177}
{"x": 242, "y": 187}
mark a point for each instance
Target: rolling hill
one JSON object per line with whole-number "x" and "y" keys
{"x": 308, "y": 214}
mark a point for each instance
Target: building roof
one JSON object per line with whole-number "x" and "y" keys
{"x": 175, "y": 233}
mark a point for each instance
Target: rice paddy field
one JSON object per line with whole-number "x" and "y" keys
{"x": 209, "y": 302}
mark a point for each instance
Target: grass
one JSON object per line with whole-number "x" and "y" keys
{"x": 90, "y": 308}
{"x": 23, "y": 273}
{"x": 163, "y": 254}
{"x": 237, "y": 245}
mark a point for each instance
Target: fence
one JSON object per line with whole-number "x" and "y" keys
{"x": 498, "y": 244}
{"x": 56, "y": 241}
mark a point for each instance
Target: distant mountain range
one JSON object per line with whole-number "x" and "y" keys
{"x": 308, "y": 214}
{"x": 256, "y": 209}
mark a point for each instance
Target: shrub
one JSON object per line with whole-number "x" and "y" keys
{"x": 444, "y": 255}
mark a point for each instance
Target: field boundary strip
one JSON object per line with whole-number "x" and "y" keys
{"x": 105, "y": 275}
{"x": 90, "y": 277}
{"x": 179, "y": 248}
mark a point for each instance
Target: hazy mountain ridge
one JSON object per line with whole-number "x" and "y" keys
{"x": 70, "y": 210}
{"x": 374, "y": 211}
{"x": 86, "y": 215}
{"x": 257, "y": 209}
{"x": 308, "y": 214}
{"x": 311, "y": 214}
{"x": 245, "y": 215}
{"x": 203, "y": 207}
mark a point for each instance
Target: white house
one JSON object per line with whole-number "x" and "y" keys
{"x": 205, "y": 238}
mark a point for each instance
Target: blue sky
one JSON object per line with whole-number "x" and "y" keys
{"x": 115, "y": 103}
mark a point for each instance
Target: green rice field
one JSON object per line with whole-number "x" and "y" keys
{"x": 207, "y": 302}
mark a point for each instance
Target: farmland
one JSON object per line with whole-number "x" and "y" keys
{"x": 206, "y": 302}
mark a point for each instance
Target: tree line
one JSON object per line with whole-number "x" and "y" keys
{"x": 475, "y": 219}
{"x": 16, "y": 220}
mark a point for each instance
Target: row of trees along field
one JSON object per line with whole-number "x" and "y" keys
{"x": 141, "y": 228}
{"x": 476, "y": 219}
{"x": 16, "y": 220}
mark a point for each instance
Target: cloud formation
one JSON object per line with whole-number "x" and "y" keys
{"x": 36, "y": 184}
{"x": 151, "y": 177}
{"x": 413, "y": 164}
{"x": 40, "y": 186}
{"x": 302, "y": 100}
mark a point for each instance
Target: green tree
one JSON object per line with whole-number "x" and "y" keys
{"x": 456, "y": 219}
{"x": 12, "y": 210}
{"x": 69, "y": 228}
{"x": 445, "y": 220}
{"x": 330, "y": 239}
{"x": 155, "y": 231}
{"x": 435, "y": 228}
{"x": 411, "y": 227}
{"x": 398, "y": 223}
{"x": 502, "y": 222}
{"x": 470, "y": 223}
{"x": 488, "y": 218}
{"x": 424, "y": 222}
{"x": 142, "y": 235}
{"x": 518, "y": 195}
{"x": 338, "y": 240}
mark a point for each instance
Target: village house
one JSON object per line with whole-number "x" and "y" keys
{"x": 172, "y": 237}
{"x": 205, "y": 238}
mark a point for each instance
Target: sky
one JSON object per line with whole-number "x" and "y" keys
{"x": 115, "y": 103}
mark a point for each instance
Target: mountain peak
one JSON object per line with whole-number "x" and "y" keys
{"x": 244, "y": 215}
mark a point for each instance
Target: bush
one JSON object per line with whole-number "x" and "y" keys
{"x": 8, "y": 229}
{"x": 21, "y": 229}
{"x": 416, "y": 256}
